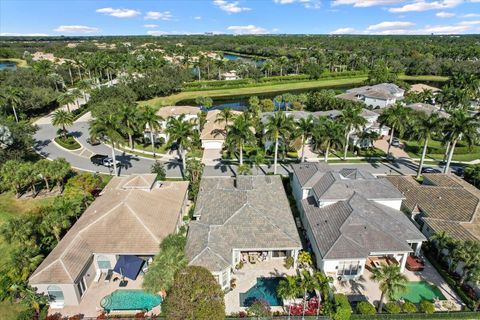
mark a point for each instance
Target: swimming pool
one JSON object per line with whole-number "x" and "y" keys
{"x": 264, "y": 289}
{"x": 420, "y": 290}
{"x": 130, "y": 300}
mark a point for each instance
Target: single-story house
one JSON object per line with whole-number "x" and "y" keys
{"x": 420, "y": 87}
{"x": 239, "y": 217}
{"x": 442, "y": 202}
{"x": 127, "y": 221}
{"x": 190, "y": 113}
{"x": 377, "y": 96}
{"x": 352, "y": 219}
{"x": 428, "y": 109}
{"x": 213, "y": 133}
{"x": 230, "y": 75}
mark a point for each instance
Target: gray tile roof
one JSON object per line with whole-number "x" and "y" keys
{"x": 329, "y": 185}
{"x": 247, "y": 212}
{"x": 357, "y": 227}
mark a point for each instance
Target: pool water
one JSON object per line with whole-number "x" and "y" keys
{"x": 130, "y": 300}
{"x": 264, "y": 289}
{"x": 418, "y": 291}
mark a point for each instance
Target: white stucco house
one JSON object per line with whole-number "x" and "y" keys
{"x": 352, "y": 219}
{"x": 239, "y": 218}
{"x": 213, "y": 134}
{"x": 377, "y": 96}
{"x": 190, "y": 114}
{"x": 128, "y": 220}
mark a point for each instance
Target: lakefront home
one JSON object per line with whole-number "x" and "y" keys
{"x": 377, "y": 96}
{"x": 352, "y": 219}
{"x": 240, "y": 220}
{"x": 117, "y": 236}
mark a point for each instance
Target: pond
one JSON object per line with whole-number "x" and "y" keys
{"x": 8, "y": 65}
{"x": 233, "y": 57}
{"x": 240, "y": 102}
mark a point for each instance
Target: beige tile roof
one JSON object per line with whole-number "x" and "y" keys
{"x": 420, "y": 87}
{"x": 131, "y": 216}
{"x": 214, "y": 130}
{"x": 448, "y": 202}
{"x": 172, "y": 111}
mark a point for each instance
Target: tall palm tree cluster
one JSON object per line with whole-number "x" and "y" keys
{"x": 280, "y": 130}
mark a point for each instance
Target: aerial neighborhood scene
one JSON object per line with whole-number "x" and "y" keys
{"x": 229, "y": 159}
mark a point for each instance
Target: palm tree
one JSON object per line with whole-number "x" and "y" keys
{"x": 391, "y": 281}
{"x": 65, "y": 99}
{"x": 12, "y": 97}
{"x": 278, "y": 126}
{"x": 288, "y": 289}
{"x": 323, "y": 285}
{"x": 469, "y": 254}
{"x": 76, "y": 94}
{"x": 181, "y": 132}
{"x": 225, "y": 116}
{"x": 259, "y": 159}
{"x": 441, "y": 240}
{"x": 396, "y": 118}
{"x": 60, "y": 169}
{"x": 307, "y": 283}
{"x": 352, "y": 120}
{"x": 84, "y": 86}
{"x": 327, "y": 134}
{"x": 460, "y": 126}
{"x": 150, "y": 118}
{"x": 107, "y": 126}
{"x": 239, "y": 133}
{"x": 424, "y": 127}
{"x": 304, "y": 127}
{"x": 44, "y": 168}
{"x": 282, "y": 62}
{"x": 63, "y": 119}
{"x": 129, "y": 117}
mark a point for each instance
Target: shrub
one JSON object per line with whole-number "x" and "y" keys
{"x": 427, "y": 307}
{"x": 365, "y": 307}
{"x": 289, "y": 261}
{"x": 68, "y": 143}
{"x": 343, "y": 310}
{"x": 409, "y": 307}
{"x": 392, "y": 308}
{"x": 259, "y": 308}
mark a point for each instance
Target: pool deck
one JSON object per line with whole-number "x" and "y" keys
{"x": 369, "y": 288}
{"x": 90, "y": 304}
{"x": 247, "y": 278}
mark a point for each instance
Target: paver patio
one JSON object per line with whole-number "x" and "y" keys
{"x": 90, "y": 304}
{"x": 368, "y": 288}
{"x": 247, "y": 278}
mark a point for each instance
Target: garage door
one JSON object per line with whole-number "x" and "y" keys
{"x": 212, "y": 144}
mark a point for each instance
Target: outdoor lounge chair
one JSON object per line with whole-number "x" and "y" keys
{"x": 109, "y": 276}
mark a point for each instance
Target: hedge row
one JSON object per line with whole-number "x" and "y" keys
{"x": 403, "y": 316}
{"x": 451, "y": 281}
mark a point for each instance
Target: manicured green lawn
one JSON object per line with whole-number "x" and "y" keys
{"x": 272, "y": 88}
{"x": 10, "y": 207}
{"x": 436, "y": 151}
{"x": 68, "y": 143}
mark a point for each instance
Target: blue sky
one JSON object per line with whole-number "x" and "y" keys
{"x": 158, "y": 17}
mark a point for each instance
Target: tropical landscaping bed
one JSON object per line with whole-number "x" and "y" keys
{"x": 68, "y": 142}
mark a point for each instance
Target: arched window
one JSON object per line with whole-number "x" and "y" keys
{"x": 103, "y": 262}
{"x": 55, "y": 293}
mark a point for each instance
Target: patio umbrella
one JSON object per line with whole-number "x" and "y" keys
{"x": 128, "y": 266}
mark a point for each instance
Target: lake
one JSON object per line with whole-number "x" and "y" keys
{"x": 8, "y": 65}
{"x": 233, "y": 57}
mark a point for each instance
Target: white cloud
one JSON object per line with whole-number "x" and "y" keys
{"x": 421, "y": 5}
{"x": 156, "y": 33}
{"x": 471, "y": 15}
{"x": 365, "y": 3}
{"x": 197, "y": 18}
{"x": 391, "y": 25}
{"x": 156, "y": 15}
{"x": 16, "y": 34}
{"x": 343, "y": 31}
{"x": 309, "y": 4}
{"x": 150, "y": 25}
{"x": 458, "y": 28}
{"x": 249, "y": 29}
{"x": 76, "y": 29}
{"x": 443, "y": 14}
{"x": 230, "y": 6}
{"x": 469, "y": 23}
{"x": 119, "y": 13}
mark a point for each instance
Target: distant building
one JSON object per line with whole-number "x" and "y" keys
{"x": 427, "y": 109}
{"x": 230, "y": 75}
{"x": 420, "y": 87}
{"x": 377, "y": 96}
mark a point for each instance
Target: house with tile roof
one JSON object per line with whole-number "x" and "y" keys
{"x": 213, "y": 133}
{"x": 190, "y": 114}
{"x": 442, "y": 202}
{"x": 239, "y": 219}
{"x": 130, "y": 217}
{"x": 377, "y": 96}
{"x": 351, "y": 219}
